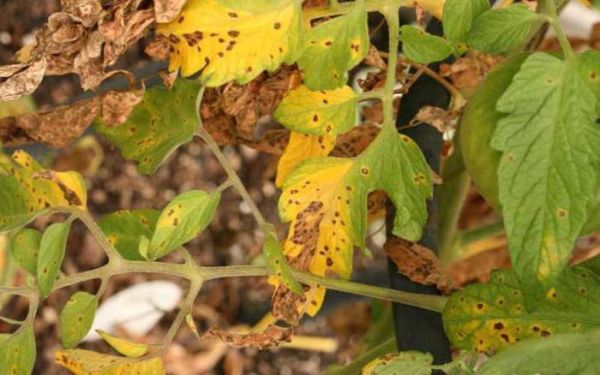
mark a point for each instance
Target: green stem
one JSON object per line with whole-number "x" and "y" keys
{"x": 184, "y": 310}
{"x": 549, "y": 9}
{"x": 391, "y": 17}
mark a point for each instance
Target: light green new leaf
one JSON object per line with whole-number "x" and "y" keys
{"x": 550, "y": 166}
{"x": 17, "y": 352}
{"x": 334, "y": 47}
{"x": 501, "y": 30}
{"x": 276, "y": 261}
{"x": 459, "y": 15}
{"x": 52, "y": 252}
{"x": 324, "y": 112}
{"x": 183, "y": 218}
{"x": 493, "y": 316}
{"x": 163, "y": 121}
{"x": 76, "y": 318}
{"x": 564, "y": 354}
{"x": 24, "y": 248}
{"x": 27, "y": 190}
{"x": 410, "y": 362}
{"x": 123, "y": 230}
{"x": 422, "y": 47}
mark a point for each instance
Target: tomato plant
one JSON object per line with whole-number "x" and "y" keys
{"x": 528, "y": 136}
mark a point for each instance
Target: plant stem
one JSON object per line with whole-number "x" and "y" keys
{"x": 549, "y": 9}
{"x": 184, "y": 310}
{"x": 391, "y": 17}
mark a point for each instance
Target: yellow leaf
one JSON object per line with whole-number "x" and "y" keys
{"x": 87, "y": 362}
{"x": 318, "y": 112}
{"x": 125, "y": 347}
{"x": 225, "y": 40}
{"x": 299, "y": 148}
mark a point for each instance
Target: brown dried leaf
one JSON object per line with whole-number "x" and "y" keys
{"x": 167, "y": 10}
{"x": 271, "y": 336}
{"x": 88, "y": 11}
{"x": 373, "y": 58}
{"x": 158, "y": 48}
{"x": 467, "y": 72}
{"x": 416, "y": 262}
{"x": 439, "y": 118}
{"x": 117, "y": 105}
{"x": 21, "y": 82}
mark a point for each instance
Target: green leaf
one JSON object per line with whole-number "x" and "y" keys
{"x": 17, "y": 352}
{"x": 334, "y": 47}
{"x": 410, "y": 362}
{"x": 24, "y": 248}
{"x": 163, "y": 121}
{"x": 28, "y": 191}
{"x": 183, "y": 218}
{"x": 324, "y": 112}
{"x": 501, "y": 30}
{"x": 565, "y": 354}
{"x": 52, "y": 252}
{"x": 276, "y": 261}
{"x": 422, "y": 47}
{"x": 550, "y": 167}
{"x": 459, "y": 15}
{"x": 76, "y": 318}
{"x": 494, "y": 316}
{"x": 123, "y": 230}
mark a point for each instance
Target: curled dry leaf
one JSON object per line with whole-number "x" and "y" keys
{"x": 60, "y": 126}
{"x": 271, "y": 336}
{"x": 439, "y": 118}
{"x": 167, "y": 10}
{"x": 21, "y": 79}
{"x": 467, "y": 72}
{"x": 417, "y": 262}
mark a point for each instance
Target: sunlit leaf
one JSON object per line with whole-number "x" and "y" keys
{"x": 123, "y": 230}
{"x": 299, "y": 148}
{"x": 233, "y": 40}
{"x": 183, "y": 218}
{"x": 422, "y": 47}
{"x": 334, "y": 47}
{"x": 27, "y": 190}
{"x": 550, "y": 165}
{"x": 52, "y": 252}
{"x": 493, "y": 316}
{"x": 87, "y": 362}
{"x": 76, "y": 318}
{"x": 411, "y": 362}
{"x": 325, "y": 199}
{"x": 500, "y": 30}
{"x": 163, "y": 121}
{"x": 324, "y": 112}
{"x": 125, "y": 347}
{"x": 17, "y": 352}
{"x": 459, "y": 16}
{"x": 24, "y": 248}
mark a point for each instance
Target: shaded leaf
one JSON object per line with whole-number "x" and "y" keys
{"x": 299, "y": 148}
{"x": 123, "y": 230}
{"x": 565, "y": 354}
{"x": 52, "y": 252}
{"x": 17, "y": 352}
{"x": 459, "y": 15}
{"x": 27, "y": 190}
{"x": 422, "y": 47}
{"x": 164, "y": 120}
{"x": 334, "y": 47}
{"x": 86, "y": 362}
{"x": 328, "y": 112}
{"x": 501, "y": 30}
{"x": 76, "y": 318}
{"x": 225, "y": 41}
{"x": 184, "y": 217}
{"x": 125, "y": 347}
{"x": 24, "y": 248}
{"x": 550, "y": 166}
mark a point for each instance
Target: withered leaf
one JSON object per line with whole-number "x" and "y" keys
{"x": 271, "y": 336}
{"x": 21, "y": 82}
{"x": 167, "y": 10}
{"x": 437, "y": 117}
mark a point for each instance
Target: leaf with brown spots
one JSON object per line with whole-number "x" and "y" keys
{"x": 17, "y": 351}
{"x": 21, "y": 79}
{"x": 489, "y": 317}
{"x": 231, "y": 40}
{"x": 270, "y": 337}
{"x": 299, "y": 148}
{"x": 76, "y": 318}
{"x": 167, "y": 10}
{"x": 334, "y": 47}
{"x": 325, "y": 199}
{"x": 85, "y": 362}
{"x": 416, "y": 262}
